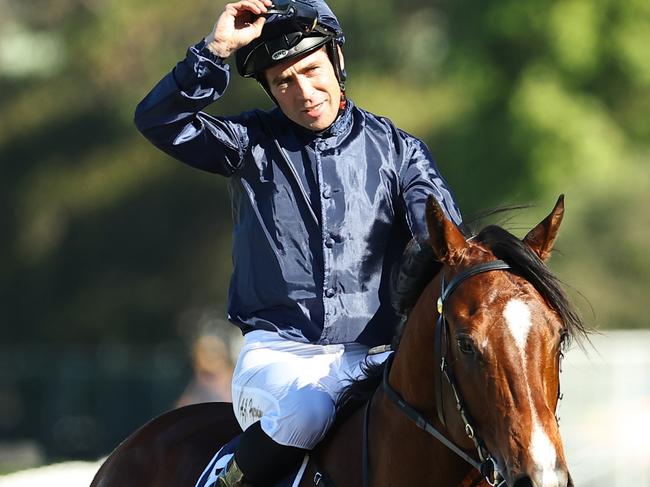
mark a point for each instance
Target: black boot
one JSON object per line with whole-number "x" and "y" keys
{"x": 260, "y": 461}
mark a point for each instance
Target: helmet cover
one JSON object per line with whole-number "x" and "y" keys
{"x": 311, "y": 25}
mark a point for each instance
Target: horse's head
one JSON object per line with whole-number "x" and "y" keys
{"x": 505, "y": 333}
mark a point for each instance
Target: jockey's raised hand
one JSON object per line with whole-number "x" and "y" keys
{"x": 239, "y": 24}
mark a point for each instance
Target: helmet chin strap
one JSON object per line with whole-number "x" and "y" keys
{"x": 343, "y": 102}
{"x": 262, "y": 82}
{"x": 332, "y": 48}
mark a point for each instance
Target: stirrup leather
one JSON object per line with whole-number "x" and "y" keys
{"x": 231, "y": 476}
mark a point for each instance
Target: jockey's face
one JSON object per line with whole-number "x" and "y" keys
{"x": 307, "y": 90}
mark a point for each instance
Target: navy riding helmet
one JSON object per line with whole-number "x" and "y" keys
{"x": 293, "y": 28}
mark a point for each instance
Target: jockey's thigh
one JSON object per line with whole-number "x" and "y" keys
{"x": 292, "y": 387}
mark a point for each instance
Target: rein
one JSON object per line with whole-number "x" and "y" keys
{"x": 486, "y": 465}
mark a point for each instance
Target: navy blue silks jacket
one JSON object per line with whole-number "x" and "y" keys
{"x": 319, "y": 218}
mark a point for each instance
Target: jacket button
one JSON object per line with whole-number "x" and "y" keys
{"x": 327, "y": 194}
{"x": 329, "y": 243}
{"x": 329, "y": 293}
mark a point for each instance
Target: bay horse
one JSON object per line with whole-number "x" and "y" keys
{"x": 467, "y": 399}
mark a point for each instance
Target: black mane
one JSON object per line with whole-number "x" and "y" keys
{"x": 523, "y": 262}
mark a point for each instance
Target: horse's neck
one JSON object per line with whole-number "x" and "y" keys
{"x": 403, "y": 454}
{"x": 413, "y": 366}
{"x": 411, "y": 456}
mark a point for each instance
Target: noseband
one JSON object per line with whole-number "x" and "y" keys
{"x": 486, "y": 465}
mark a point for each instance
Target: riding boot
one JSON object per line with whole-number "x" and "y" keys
{"x": 231, "y": 476}
{"x": 260, "y": 461}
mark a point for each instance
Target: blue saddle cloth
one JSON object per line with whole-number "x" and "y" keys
{"x": 220, "y": 460}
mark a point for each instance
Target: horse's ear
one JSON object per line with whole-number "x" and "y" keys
{"x": 445, "y": 238}
{"x": 542, "y": 237}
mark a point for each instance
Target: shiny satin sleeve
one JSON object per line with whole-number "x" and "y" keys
{"x": 171, "y": 115}
{"x": 419, "y": 178}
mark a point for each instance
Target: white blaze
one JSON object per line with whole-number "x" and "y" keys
{"x": 542, "y": 451}
{"x": 544, "y": 456}
{"x": 517, "y": 315}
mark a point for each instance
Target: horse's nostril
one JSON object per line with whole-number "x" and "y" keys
{"x": 523, "y": 482}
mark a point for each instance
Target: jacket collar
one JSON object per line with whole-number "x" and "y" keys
{"x": 339, "y": 128}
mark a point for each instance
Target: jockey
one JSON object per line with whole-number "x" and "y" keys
{"x": 325, "y": 197}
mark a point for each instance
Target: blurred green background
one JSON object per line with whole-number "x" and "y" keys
{"x": 112, "y": 254}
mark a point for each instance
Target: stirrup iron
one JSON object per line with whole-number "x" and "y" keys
{"x": 231, "y": 476}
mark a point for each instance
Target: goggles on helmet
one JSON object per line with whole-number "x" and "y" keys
{"x": 303, "y": 16}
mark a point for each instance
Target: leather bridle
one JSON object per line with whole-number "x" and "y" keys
{"x": 486, "y": 464}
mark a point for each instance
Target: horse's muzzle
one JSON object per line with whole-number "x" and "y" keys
{"x": 562, "y": 479}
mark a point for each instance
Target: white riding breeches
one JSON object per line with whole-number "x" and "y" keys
{"x": 292, "y": 387}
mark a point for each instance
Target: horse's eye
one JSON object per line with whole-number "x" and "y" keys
{"x": 564, "y": 341}
{"x": 465, "y": 345}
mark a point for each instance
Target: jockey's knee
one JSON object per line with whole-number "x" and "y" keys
{"x": 314, "y": 414}
{"x": 307, "y": 419}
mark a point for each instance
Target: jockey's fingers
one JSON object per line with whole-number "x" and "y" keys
{"x": 258, "y": 24}
{"x": 256, "y": 7}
